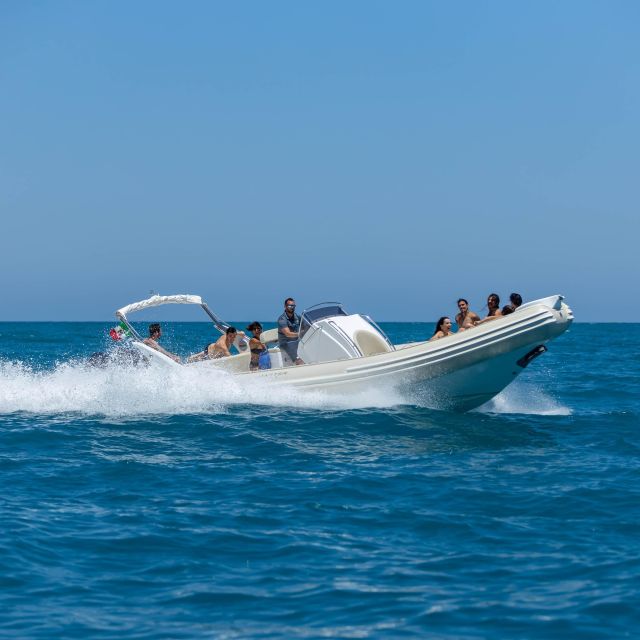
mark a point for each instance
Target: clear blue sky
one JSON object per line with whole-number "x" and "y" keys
{"x": 393, "y": 156}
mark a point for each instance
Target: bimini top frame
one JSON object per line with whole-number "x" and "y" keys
{"x": 158, "y": 300}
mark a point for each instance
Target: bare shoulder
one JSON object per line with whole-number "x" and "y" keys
{"x": 150, "y": 343}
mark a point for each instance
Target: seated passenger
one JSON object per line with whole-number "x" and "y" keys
{"x": 259, "y": 352}
{"x": 220, "y": 348}
{"x": 443, "y": 329}
{"x": 515, "y": 301}
{"x": 493, "y": 308}
{"x": 466, "y": 318}
{"x": 152, "y": 341}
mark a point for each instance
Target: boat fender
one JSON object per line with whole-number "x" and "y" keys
{"x": 532, "y": 355}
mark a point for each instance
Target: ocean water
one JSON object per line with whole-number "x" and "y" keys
{"x": 140, "y": 504}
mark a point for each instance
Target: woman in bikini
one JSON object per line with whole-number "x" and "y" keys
{"x": 256, "y": 346}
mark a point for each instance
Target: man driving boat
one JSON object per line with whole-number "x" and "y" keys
{"x": 288, "y": 333}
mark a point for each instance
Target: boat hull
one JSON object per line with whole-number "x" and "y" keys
{"x": 459, "y": 372}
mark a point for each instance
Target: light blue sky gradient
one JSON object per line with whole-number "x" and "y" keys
{"x": 393, "y": 156}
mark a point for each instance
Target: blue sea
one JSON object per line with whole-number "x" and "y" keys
{"x": 145, "y": 504}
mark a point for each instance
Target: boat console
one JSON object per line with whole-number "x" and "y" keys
{"x": 328, "y": 332}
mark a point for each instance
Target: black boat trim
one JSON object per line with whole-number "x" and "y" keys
{"x": 532, "y": 355}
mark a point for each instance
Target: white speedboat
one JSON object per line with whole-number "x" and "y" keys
{"x": 346, "y": 353}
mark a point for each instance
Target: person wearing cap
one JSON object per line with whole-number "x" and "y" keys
{"x": 288, "y": 333}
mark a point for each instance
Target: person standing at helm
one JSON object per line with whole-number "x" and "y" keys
{"x": 288, "y": 333}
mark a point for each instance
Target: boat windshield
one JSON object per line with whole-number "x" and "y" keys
{"x": 319, "y": 312}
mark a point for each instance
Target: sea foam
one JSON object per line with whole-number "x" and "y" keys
{"x": 117, "y": 390}
{"x": 121, "y": 390}
{"x": 526, "y": 398}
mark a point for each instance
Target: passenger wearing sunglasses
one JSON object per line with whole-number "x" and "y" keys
{"x": 288, "y": 333}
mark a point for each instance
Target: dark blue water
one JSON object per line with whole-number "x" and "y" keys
{"x": 136, "y": 506}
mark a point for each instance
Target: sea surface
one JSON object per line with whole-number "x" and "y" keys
{"x": 142, "y": 504}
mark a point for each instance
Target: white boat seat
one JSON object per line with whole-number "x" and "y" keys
{"x": 370, "y": 344}
{"x": 269, "y": 336}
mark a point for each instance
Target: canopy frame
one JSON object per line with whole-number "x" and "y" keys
{"x": 158, "y": 300}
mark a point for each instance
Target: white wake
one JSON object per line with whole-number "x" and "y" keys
{"x": 117, "y": 390}
{"x": 525, "y": 398}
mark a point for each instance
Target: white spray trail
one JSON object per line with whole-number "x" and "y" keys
{"x": 127, "y": 391}
{"x": 526, "y": 398}
{"x": 117, "y": 390}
